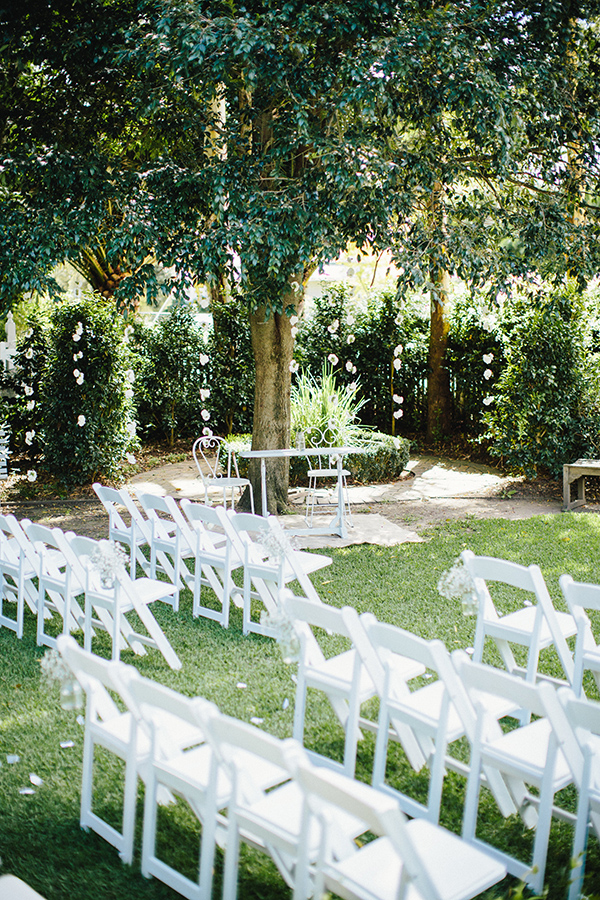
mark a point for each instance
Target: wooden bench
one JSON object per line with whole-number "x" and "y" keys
{"x": 575, "y": 473}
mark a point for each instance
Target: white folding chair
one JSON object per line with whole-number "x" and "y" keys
{"x": 113, "y": 603}
{"x": 535, "y": 626}
{"x": 436, "y": 710}
{"x": 58, "y": 585}
{"x": 215, "y": 561}
{"x": 109, "y": 727}
{"x": 264, "y": 816}
{"x": 529, "y": 753}
{"x": 170, "y": 541}
{"x": 413, "y": 858}
{"x": 135, "y": 535}
{"x": 19, "y": 566}
{"x": 179, "y": 763}
{"x": 341, "y": 676}
{"x": 580, "y": 598}
{"x": 270, "y": 564}
{"x": 206, "y": 452}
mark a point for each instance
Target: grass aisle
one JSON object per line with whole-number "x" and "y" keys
{"x": 40, "y": 838}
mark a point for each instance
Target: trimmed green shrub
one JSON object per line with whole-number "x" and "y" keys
{"x": 172, "y": 387}
{"x": 231, "y": 369}
{"x": 541, "y": 417}
{"x": 86, "y": 424}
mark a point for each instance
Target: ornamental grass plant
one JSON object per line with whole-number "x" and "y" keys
{"x": 40, "y": 838}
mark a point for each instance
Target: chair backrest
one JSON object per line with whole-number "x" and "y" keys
{"x": 11, "y": 530}
{"x": 112, "y": 501}
{"x": 164, "y": 514}
{"x": 112, "y": 498}
{"x": 380, "y": 813}
{"x": 206, "y": 452}
{"x": 305, "y": 615}
{"x": 98, "y": 677}
{"x": 206, "y": 519}
{"x": 480, "y": 680}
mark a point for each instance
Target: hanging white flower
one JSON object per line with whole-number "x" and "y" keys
{"x": 294, "y": 320}
{"x": 76, "y": 373}
{"x": 350, "y": 320}
{"x": 81, "y": 421}
{"x": 205, "y": 415}
{"x": 130, "y": 458}
{"x": 350, "y": 339}
{"x": 29, "y": 333}
{"x": 398, "y": 414}
{"x": 293, "y": 331}
{"x": 398, "y": 350}
{"x": 333, "y": 359}
{"x": 29, "y": 436}
{"x": 30, "y": 405}
{"x": 203, "y": 359}
{"x": 349, "y": 366}
{"x": 131, "y": 429}
{"x": 28, "y": 390}
{"x": 204, "y": 394}
{"x": 488, "y": 374}
{"x": 294, "y": 366}
{"x": 397, "y": 364}
{"x": 31, "y": 475}
{"x": 128, "y": 394}
{"x": 80, "y": 379}
{"x": 130, "y": 376}
{"x": 29, "y": 354}
{"x": 487, "y": 358}
{"x": 334, "y": 326}
{"x": 397, "y": 398}
{"x": 487, "y": 401}
{"x": 207, "y": 432}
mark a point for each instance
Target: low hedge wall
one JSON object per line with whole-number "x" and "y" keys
{"x": 383, "y": 460}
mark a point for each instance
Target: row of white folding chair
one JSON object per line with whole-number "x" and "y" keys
{"x": 537, "y": 625}
{"x": 220, "y": 542}
{"x": 66, "y": 578}
{"x": 304, "y": 817}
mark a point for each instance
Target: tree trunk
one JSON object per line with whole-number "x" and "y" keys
{"x": 273, "y": 345}
{"x": 439, "y": 412}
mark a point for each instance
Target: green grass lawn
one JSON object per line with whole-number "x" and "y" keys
{"x": 40, "y": 838}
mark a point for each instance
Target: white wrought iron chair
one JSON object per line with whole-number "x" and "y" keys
{"x": 534, "y": 626}
{"x": 529, "y": 754}
{"x": 207, "y": 456}
{"x": 135, "y": 535}
{"x": 580, "y": 598}
{"x": 112, "y": 603}
{"x": 413, "y": 858}
{"x": 215, "y": 561}
{"x": 324, "y": 467}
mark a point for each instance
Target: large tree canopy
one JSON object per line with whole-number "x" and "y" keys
{"x": 247, "y": 143}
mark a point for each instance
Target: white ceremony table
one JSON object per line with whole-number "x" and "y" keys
{"x": 337, "y": 525}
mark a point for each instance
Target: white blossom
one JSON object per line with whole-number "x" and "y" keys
{"x": 81, "y": 421}
{"x": 30, "y": 405}
{"x": 207, "y": 432}
{"x": 29, "y": 333}
{"x": 397, "y": 398}
{"x": 31, "y": 475}
{"x": 205, "y": 415}
{"x": 128, "y": 394}
{"x": 130, "y": 458}
{"x": 488, "y": 374}
{"x": 333, "y": 359}
{"x": 487, "y": 358}
{"x": 204, "y": 394}
{"x": 293, "y": 331}
{"x": 29, "y": 436}
{"x": 28, "y": 390}
{"x": 488, "y": 400}
{"x": 350, "y": 320}
{"x": 131, "y": 428}
{"x": 350, "y": 339}
{"x": 294, "y": 366}
{"x": 203, "y": 359}
{"x": 294, "y": 320}
{"x": 397, "y": 364}
{"x": 349, "y": 366}
{"x": 398, "y": 350}
{"x": 76, "y": 373}
{"x": 130, "y": 376}
{"x": 80, "y": 378}
{"x": 398, "y": 414}
{"x": 334, "y": 326}
{"x": 29, "y": 353}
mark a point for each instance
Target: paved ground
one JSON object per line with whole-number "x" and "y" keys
{"x": 433, "y": 491}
